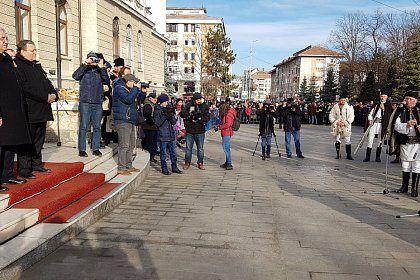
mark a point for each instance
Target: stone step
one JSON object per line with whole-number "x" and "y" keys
{"x": 15, "y": 221}
{"x": 4, "y": 200}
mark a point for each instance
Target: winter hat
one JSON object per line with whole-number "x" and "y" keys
{"x": 196, "y": 96}
{"x": 131, "y": 77}
{"x": 92, "y": 54}
{"x": 119, "y": 62}
{"x": 267, "y": 101}
{"x": 412, "y": 91}
{"x": 162, "y": 98}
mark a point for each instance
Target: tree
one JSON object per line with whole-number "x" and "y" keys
{"x": 346, "y": 87}
{"x": 330, "y": 87}
{"x": 304, "y": 92}
{"x": 411, "y": 70}
{"x": 392, "y": 81}
{"x": 169, "y": 82}
{"x": 368, "y": 91}
{"x": 216, "y": 62}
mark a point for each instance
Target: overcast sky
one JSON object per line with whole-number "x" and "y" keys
{"x": 283, "y": 27}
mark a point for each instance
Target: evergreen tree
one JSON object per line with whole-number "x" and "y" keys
{"x": 346, "y": 87}
{"x": 312, "y": 88}
{"x": 216, "y": 62}
{"x": 368, "y": 90}
{"x": 169, "y": 82}
{"x": 330, "y": 87}
{"x": 411, "y": 70}
{"x": 304, "y": 92}
{"x": 392, "y": 82}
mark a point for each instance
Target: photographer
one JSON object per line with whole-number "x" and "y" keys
{"x": 165, "y": 119}
{"x": 266, "y": 116}
{"x": 125, "y": 116}
{"x": 291, "y": 115}
{"x": 92, "y": 76}
{"x": 196, "y": 114}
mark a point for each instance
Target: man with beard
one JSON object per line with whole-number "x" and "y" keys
{"x": 378, "y": 120}
{"x": 39, "y": 94}
{"x": 13, "y": 127}
{"x": 92, "y": 76}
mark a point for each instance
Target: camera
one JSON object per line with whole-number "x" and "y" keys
{"x": 195, "y": 114}
{"x": 95, "y": 60}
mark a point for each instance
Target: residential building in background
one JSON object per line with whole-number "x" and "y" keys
{"x": 311, "y": 63}
{"x": 186, "y": 29}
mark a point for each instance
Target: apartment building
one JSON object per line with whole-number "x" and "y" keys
{"x": 186, "y": 29}
{"x": 116, "y": 28}
{"x": 312, "y": 63}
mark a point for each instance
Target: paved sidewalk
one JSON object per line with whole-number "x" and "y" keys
{"x": 277, "y": 219}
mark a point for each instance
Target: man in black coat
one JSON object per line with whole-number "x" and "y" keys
{"x": 196, "y": 114}
{"x": 39, "y": 94}
{"x": 266, "y": 115}
{"x": 13, "y": 126}
{"x": 292, "y": 115}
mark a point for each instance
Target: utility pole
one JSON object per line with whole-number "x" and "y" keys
{"x": 250, "y": 69}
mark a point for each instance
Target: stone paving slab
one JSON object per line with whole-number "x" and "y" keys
{"x": 264, "y": 220}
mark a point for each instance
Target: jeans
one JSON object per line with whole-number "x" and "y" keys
{"x": 296, "y": 138}
{"x": 266, "y": 144}
{"x": 90, "y": 113}
{"x": 169, "y": 146}
{"x": 126, "y": 144}
{"x": 226, "y": 149}
{"x": 199, "y": 142}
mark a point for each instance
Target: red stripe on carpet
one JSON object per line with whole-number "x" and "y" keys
{"x": 60, "y": 172}
{"x": 59, "y": 197}
{"x": 65, "y": 214}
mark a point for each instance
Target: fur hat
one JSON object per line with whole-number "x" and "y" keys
{"x": 412, "y": 91}
{"x": 196, "y": 96}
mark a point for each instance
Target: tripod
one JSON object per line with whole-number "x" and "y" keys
{"x": 386, "y": 190}
{"x": 256, "y": 145}
{"x": 410, "y": 215}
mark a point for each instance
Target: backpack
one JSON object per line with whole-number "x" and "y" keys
{"x": 236, "y": 123}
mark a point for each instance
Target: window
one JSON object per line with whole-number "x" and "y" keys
{"x": 186, "y": 42}
{"x": 185, "y": 27}
{"x": 116, "y": 38}
{"x": 193, "y": 56}
{"x": 193, "y": 42}
{"x": 173, "y": 42}
{"x": 140, "y": 49}
{"x": 23, "y": 19}
{"x": 185, "y": 56}
{"x": 192, "y": 70}
{"x": 63, "y": 31}
{"x": 192, "y": 27}
{"x": 129, "y": 45}
{"x": 172, "y": 56}
{"x": 171, "y": 27}
{"x": 186, "y": 70}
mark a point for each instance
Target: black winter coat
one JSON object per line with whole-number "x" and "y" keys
{"x": 291, "y": 118}
{"x": 36, "y": 87}
{"x": 14, "y": 130}
{"x": 266, "y": 122}
{"x": 195, "y": 117}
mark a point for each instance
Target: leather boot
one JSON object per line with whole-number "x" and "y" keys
{"x": 405, "y": 181}
{"x": 348, "y": 152}
{"x": 378, "y": 154}
{"x": 368, "y": 152}
{"x": 337, "y": 149}
{"x": 397, "y": 159}
{"x": 263, "y": 154}
{"x": 415, "y": 185}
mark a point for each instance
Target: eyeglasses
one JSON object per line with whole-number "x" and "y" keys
{"x": 3, "y": 39}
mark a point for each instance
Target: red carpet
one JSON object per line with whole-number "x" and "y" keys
{"x": 61, "y": 196}
{"x": 60, "y": 172}
{"x": 65, "y": 214}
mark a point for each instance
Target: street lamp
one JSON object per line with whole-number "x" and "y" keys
{"x": 250, "y": 68}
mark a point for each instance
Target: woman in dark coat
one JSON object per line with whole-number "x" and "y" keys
{"x": 13, "y": 125}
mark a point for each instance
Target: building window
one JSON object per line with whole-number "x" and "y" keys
{"x": 173, "y": 42}
{"x": 172, "y": 56}
{"x": 63, "y": 31}
{"x": 193, "y": 42}
{"x": 185, "y": 27}
{"x": 171, "y": 27}
{"x": 116, "y": 38}
{"x": 140, "y": 49}
{"x": 192, "y": 27}
{"x": 185, "y": 56}
{"x": 192, "y": 70}
{"x": 193, "y": 56}
{"x": 23, "y": 19}
{"x": 186, "y": 70}
{"x": 129, "y": 45}
{"x": 186, "y": 42}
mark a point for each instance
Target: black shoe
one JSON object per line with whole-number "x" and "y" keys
{"x": 177, "y": 171}
{"x": 152, "y": 159}
{"x": 97, "y": 153}
{"x": 14, "y": 181}
{"x": 267, "y": 156}
{"x": 229, "y": 167}
{"x": 223, "y": 165}
{"x": 41, "y": 169}
{"x": 27, "y": 176}
{"x": 102, "y": 145}
{"x": 165, "y": 172}
{"x": 289, "y": 156}
{"x": 3, "y": 189}
{"x": 300, "y": 156}
{"x": 83, "y": 154}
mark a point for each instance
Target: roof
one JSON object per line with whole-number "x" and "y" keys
{"x": 187, "y": 8}
{"x": 261, "y": 75}
{"x": 316, "y": 50}
{"x": 191, "y": 16}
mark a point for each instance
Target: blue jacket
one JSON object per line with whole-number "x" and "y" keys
{"x": 124, "y": 105}
{"x": 165, "y": 123}
{"x": 91, "y": 81}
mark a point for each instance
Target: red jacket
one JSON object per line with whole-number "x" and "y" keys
{"x": 248, "y": 111}
{"x": 226, "y": 125}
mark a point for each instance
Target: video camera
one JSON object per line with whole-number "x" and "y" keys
{"x": 194, "y": 114}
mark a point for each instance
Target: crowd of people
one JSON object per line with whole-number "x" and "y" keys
{"x": 116, "y": 104}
